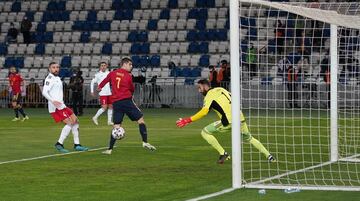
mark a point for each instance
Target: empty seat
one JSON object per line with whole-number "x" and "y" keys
{"x": 87, "y": 48}
{"x": 49, "y": 49}
{"x": 78, "y": 48}
{"x": 97, "y": 48}
{"x": 59, "y": 47}
{"x": 164, "y": 48}
{"x": 68, "y": 48}
{"x": 104, "y": 36}
{"x": 174, "y": 48}
{"x": 171, "y": 36}
{"x": 66, "y": 37}
{"x": 116, "y": 48}
{"x": 162, "y": 36}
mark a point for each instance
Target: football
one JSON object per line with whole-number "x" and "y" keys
{"x": 118, "y": 133}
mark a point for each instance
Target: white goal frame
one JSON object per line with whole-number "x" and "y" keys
{"x": 237, "y": 168}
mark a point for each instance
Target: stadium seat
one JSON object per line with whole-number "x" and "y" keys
{"x": 66, "y": 62}
{"x": 204, "y": 61}
{"x": 152, "y": 25}
{"x": 68, "y": 48}
{"x": 107, "y": 49}
{"x": 40, "y": 48}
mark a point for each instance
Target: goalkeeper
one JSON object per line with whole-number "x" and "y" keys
{"x": 219, "y": 100}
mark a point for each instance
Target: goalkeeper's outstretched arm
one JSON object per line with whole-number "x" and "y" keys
{"x": 185, "y": 121}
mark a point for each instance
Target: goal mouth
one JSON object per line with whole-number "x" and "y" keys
{"x": 300, "y": 93}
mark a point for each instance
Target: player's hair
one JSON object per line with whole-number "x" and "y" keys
{"x": 51, "y": 63}
{"x": 204, "y": 81}
{"x": 124, "y": 61}
{"x": 103, "y": 62}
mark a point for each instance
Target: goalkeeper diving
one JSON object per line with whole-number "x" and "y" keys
{"x": 219, "y": 100}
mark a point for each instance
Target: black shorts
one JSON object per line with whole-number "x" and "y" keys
{"x": 128, "y": 107}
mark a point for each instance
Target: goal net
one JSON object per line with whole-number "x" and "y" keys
{"x": 300, "y": 93}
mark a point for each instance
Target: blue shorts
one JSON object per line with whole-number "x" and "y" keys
{"x": 128, "y": 107}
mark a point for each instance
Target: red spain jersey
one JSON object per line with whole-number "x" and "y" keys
{"x": 15, "y": 82}
{"x": 121, "y": 83}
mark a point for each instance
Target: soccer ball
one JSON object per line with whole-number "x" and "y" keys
{"x": 118, "y": 133}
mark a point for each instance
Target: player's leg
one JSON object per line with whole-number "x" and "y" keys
{"x": 135, "y": 114}
{"x": 208, "y": 134}
{"x": 99, "y": 112}
{"x": 118, "y": 118}
{"x": 246, "y": 137}
{"x": 75, "y": 131}
{"x": 110, "y": 114}
{"x": 21, "y": 110}
{"x": 16, "y": 110}
{"x": 63, "y": 135}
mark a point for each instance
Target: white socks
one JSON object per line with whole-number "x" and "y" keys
{"x": 110, "y": 113}
{"x": 75, "y": 132}
{"x": 99, "y": 112}
{"x": 64, "y": 133}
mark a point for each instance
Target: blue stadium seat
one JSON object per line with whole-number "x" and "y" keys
{"x": 211, "y": 35}
{"x": 155, "y": 61}
{"x": 222, "y": 35}
{"x": 210, "y": 3}
{"x": 266, "y": 81}
{"x": 203, "y": 14}
{"x": 202, "y": 35}
{"x": 252, "y": 32}
{"x": 105, "y": 25}
{"x": 176, "y": 72}
{"x": 200, "y": 3}
{"x": 85, "y": 37}
{"x": 144, "y": 61}
{"x": 142, "y": 36}
{"x": 136, "y": 61}
{"x": 30, "y": 15}
{"x": 66, "y": 62}
{"x": 152, "y": 25}
{"x": 116, "y": 5}
{"x": 65, "y": 16}
{"x": 193, "y": 13}
{"x": 165, "y": 14}
{"x": 136, "y": 4}
{"x": 40, "y": 48}
{"x": 52, "y": 5}
{"x": 145, "y": 48}
{"x": 9, "y": 61}
{"x": 41, "y": 27}
{"x": 127, "y": 4}
{"x": 204, "y": 47}
{"x": 132, "y": 37}
{"x": 193, "y": 47}
{"x": 19, "y": 62}
{"x": 92, "y": 15}
{"x": 173, "y": 4}
{"x": 128, "y": 14}
{"x": 95, "y": 26}
{"x": 61, "y": 5}
{"x": 326, "y": 33}
{"x": 186, "y": 72}
{"x": 200, "y": 24}
{"x": 135, "y": 48}
{"x": 65, "y": 72}
{"x": 271, "y": 46}
{"x": 48, "y": 37}
{"x": 107, "y": 49}
{"x": 191, "y": 35}
{"x": 38, "y": 37}
{"x": 196, "y": 72}
{"x": 204, "y": 61}
{"x": 16, "y": 7}
{"x": 3, "y": 49}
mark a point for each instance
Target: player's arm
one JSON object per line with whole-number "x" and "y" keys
{"x": 92, "y": 83}
{"x": 104, "y": 82}
{"x": 185, "y": 121}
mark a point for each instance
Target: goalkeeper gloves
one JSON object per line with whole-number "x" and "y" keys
{"x": 183, "y": 122}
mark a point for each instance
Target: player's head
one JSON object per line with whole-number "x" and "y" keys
{"x": 126, "y": 63}
{"x": 203, "y": 86}
{"x": 54, "y": 68}
{"x": 13, "y": 69}
{"x": 103, "y": 66}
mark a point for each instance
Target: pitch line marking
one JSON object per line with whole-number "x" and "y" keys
{"x": 228, "y": 190}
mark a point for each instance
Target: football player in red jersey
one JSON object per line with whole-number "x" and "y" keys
{"x": 16, "y": 82}
{"x": 122, "y": 89}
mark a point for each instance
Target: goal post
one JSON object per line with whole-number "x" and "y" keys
{"x": 298, "y": 84}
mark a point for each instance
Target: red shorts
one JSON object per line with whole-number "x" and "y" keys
{"x": 60, "y": 115}
{"x": 105, "y": 100}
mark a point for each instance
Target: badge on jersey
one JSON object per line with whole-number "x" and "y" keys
{"x": 47, "y": 83}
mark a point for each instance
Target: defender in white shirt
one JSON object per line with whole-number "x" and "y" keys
{"x": 53, "y": 92}
{"x": 105, "y": 94}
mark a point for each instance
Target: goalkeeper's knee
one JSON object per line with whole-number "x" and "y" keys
{"x": 204, "y": 133}
{"x": 246, "y": 137}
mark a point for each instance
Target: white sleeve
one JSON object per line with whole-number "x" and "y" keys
{"x": 93, "y": 81}
{"x": 47, "y": 87}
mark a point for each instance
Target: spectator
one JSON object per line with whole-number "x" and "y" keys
{"x": 213, "y": 76}
{"x": 292, "y": 87}
{"x": 33, "y": 94}
{"x": 282, "y": 65}
{"x": 224, "y": 74}
{"x": 304, "y": 44}
{"x": 12, "y": 34}
{"x": 279, "y": 37}
{"x": 251, "y": 60}
{"x": 25, "y": 30}
{"x": 76, "y": 85}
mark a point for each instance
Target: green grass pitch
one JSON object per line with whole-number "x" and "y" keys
{"x": 183, "y": 167}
